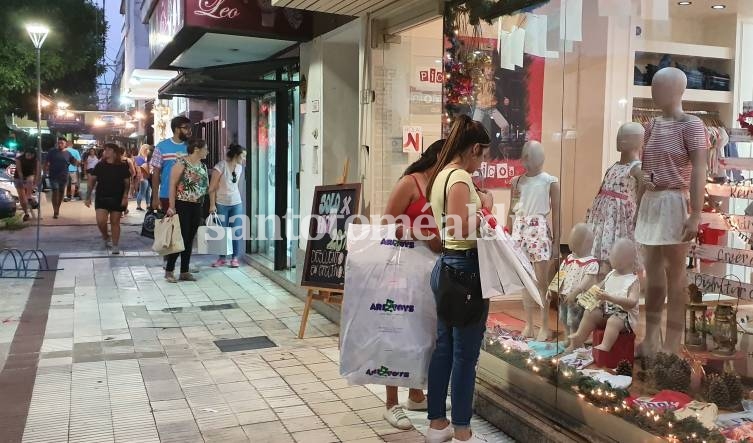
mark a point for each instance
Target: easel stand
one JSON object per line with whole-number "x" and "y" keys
{"x": 328, "y": 296}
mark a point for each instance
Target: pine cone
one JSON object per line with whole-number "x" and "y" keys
{"x": 734, "y": 387}
{"x": 717, "y": 392}
{"x": 661, "y": 377}
{"x": 678, "y": 376}
{"x": 624, "y": 368}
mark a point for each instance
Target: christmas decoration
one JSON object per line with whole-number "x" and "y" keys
{"x": 487, "y": 10}
{"x": 668, "y": 371}
{"x": 717, "y": 391}
{"x": 734, "y": 388}
{"x": 725, "y": 329}
{"x": 624, "y": 368}
{"x": 610, "y": 400}
{"x": 746, "y": 121}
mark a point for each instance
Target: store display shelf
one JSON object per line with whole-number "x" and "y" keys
{"x": 703, "y": 51}
{"x": 691, "y": 95}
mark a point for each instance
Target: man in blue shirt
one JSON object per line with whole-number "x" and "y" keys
{"x": 73, "y": 175}
{"x": 163, "y": 159}
{"x": 56, "y": 167}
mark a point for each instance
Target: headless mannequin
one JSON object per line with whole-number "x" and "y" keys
{"x": 533, "y": 161}
{"x": 665, "y": 264}
{"x": 581, "y": 242}
{"x": 622, "y": 258}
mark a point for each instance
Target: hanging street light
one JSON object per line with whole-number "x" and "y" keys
{"x": 38, "y": 33}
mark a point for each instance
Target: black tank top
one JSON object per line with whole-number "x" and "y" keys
{"x": 27, "y": 166}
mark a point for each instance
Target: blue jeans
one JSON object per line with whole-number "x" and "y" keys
{"x": 228, "y": 218}
{"x": 455, "y": 357}
{"x": 145, "y": 193}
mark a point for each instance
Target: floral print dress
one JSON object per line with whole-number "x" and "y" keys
{"x": 612, "y": 214}
{"x": 194, "y": 182}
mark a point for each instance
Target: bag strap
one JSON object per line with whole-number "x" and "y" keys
{"x": 442, "y": 233}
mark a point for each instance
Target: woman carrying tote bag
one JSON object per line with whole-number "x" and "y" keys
{"x": 188, "y": 186}
{"x": 461, "y": 310}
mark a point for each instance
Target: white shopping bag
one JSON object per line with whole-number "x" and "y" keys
{"x": 389, "y": 316}
{"x": 167, "y": 236}
{"x": 213, "y": 238}
{"x": 504, "y": 268}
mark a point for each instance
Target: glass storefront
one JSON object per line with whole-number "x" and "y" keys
{"x": 575, "y": 76}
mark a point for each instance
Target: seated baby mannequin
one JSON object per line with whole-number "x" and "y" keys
{"x": 576, "y": 275}
{"x": 617, "y": 296}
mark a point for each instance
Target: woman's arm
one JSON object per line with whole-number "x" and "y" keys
{"x": 400, "y": 198}
{"x": 458, "y": 198}
{"x": 510, "y": 214}
{"x": 175, "y": 174}
{"x": 214, "y": 184}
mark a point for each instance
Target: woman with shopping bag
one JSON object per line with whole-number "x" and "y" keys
{"x": 408, "y": 200}
{"x": 461, "y": 310}
{"x": 225, "y": 198}
{"x": 188, "y": 187}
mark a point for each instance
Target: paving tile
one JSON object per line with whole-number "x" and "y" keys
{"x": 341, "y": 419}
{"x": 284, "y": 402}
{"x": 319, "y": 397}
{"x": 303, "y": 424}
{"x": 248, "y": 405}
{"x": 268, "y": 432}
{"x": 363, "y": 403}
{"x": 276, "y": 392}
{"x": 331, "y": 407}
{"x": 268, "y": 383}
{"x": 293, "y": 412}
{"x": 373, "y": 414}
{"x": 316, "y": 436}
{"x": 227, "y": 435}
{"x": 354, "y": 432}
{"x": 258, "y": 416}
{"x": 353, "y": 392}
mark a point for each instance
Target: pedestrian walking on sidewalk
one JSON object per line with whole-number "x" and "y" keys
{"x": 144, "y": 177}
{"x": 163, "y": 159}
{"x": 189, "y": 183}
{"x": 56, "y": 167}
{"x": 225, "y": 198}
{"x": 27, "y": 171}
{"x": 125, "y": 157}
{"x": 408, "y": 198}
{"x": 451, "y": 191}
{"x": 91, "y": 161}
{"x": 72, "y": 190}
{"x": 110, "y": 180}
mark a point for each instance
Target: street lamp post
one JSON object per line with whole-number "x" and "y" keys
{"x": 38, "y": 34}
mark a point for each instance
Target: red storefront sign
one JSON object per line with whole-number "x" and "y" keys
{"x": 249, "y": 17}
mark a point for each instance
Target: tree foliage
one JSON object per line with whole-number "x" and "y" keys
{"x": 71, "y": 57}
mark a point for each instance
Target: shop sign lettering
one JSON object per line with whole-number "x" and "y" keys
{"x": 718, "y": 285}
{"x": 215, "y": 9}
{"x": 496, "y": 170}
{"x": 732, "y": 256}
{"x": 430, "y": 75}
{"x": 716, "y": 221}
{"x": 733, "y": 191}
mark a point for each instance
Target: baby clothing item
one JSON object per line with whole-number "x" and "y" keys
{"x": 571, "y": 273}
{"x": 531, "y": 206}
{"x": 612, "y": 213}
{"x": 618, "y": 285}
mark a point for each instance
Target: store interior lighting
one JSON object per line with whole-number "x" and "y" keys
{"x": 718, "y": 7}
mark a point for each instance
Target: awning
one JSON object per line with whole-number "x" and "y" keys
{"x": 238, "y": 81}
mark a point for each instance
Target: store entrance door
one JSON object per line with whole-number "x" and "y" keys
{"x": 272, "y": 183}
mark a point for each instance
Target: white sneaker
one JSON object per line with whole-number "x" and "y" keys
{"x": 115, "y": 250}
{"x": 439, "y": 435}
{"x": 475, "y": 438}
{"x": 416, "y": 406}
{"x": 397, "y": 418}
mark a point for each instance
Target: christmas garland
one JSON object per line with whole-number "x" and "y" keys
{"x": 609, "y": 399}
{"x": 746, "y": 121}
{"x": 487, "y": 10}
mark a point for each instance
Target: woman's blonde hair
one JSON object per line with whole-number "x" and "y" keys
{"x": 145, "y": 148}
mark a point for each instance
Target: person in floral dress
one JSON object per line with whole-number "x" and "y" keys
{"x": 612, "y": 214}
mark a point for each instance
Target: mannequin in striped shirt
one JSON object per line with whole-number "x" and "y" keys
{"x": 675, "y": 159}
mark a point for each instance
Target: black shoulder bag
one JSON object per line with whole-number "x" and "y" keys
{"x": 460, "y": 301}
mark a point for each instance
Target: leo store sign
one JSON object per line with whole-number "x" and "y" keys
{"x": 249, "y": 17}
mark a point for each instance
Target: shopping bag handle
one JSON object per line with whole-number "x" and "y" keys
{"x": 213, "y": 220}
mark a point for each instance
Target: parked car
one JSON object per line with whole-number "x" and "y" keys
{"x": 6, "y": 184}
{"x": 8, "y": 164}
{"x": 7, "y": 204}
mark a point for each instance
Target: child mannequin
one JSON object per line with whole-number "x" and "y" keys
{"x": 576, "y": 275}
{"x": 613, "y": 211}
{"x": 618, "y": 296}
{"x": 534, "y": 194}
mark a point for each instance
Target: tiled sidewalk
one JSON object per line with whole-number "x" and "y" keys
{"x": 127, "y": 357}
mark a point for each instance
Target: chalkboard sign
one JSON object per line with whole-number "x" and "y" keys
{"x": 334, "y": 206}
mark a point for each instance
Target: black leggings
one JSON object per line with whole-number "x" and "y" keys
{"x": 189, "y": 215}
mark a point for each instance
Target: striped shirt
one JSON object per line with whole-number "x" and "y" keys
{"x": 164, "y": 156}
{"x": 666, "y": 156}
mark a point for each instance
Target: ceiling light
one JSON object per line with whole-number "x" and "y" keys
{"x": 718, "y": 7}
{"x": 684, "y": 3}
